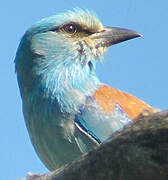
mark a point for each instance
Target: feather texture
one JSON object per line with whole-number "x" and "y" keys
{"x": 131, "y": 105}
{"x": 66, "y": 109}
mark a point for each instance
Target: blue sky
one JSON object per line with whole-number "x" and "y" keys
{"x": 139, "y": 66}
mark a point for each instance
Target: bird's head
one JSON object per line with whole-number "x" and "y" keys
{"x": 65, "y": 48}
{"x": 73, "y": 37}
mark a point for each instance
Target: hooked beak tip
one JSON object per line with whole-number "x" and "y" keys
{"x": 139, "y": 35}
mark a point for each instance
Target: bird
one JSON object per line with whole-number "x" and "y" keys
{"x": 67, "y": 110}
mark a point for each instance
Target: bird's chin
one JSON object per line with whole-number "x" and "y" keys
{"x": 101, "y": 50}
{"x": 92, "y": 49}
{"x": 99, "y": 53}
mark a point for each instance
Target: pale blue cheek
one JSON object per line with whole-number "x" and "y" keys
{"x": 61, "y": 76}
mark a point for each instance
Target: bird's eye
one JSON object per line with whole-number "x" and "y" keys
{"x": 70, "y": 28}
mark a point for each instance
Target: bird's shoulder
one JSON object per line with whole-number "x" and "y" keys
{"x": 107, "y": 96}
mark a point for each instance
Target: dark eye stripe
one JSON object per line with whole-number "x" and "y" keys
{"x": 87, "y": 32}
{"x": 55, "y": 29}
{"x": 71, "y": 28}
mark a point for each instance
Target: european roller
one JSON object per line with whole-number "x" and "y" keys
{"x": 67, "y": 110}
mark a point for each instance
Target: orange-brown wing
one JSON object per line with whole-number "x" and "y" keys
{"x": 132, "y": 106}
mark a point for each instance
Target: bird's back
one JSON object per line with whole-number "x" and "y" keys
{"x": 131, "y": 105}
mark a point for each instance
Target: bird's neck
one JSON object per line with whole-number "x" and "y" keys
{"x": 67, "y": 84}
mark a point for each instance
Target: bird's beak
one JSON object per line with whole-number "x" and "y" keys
{"x": 113, "y": 35}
